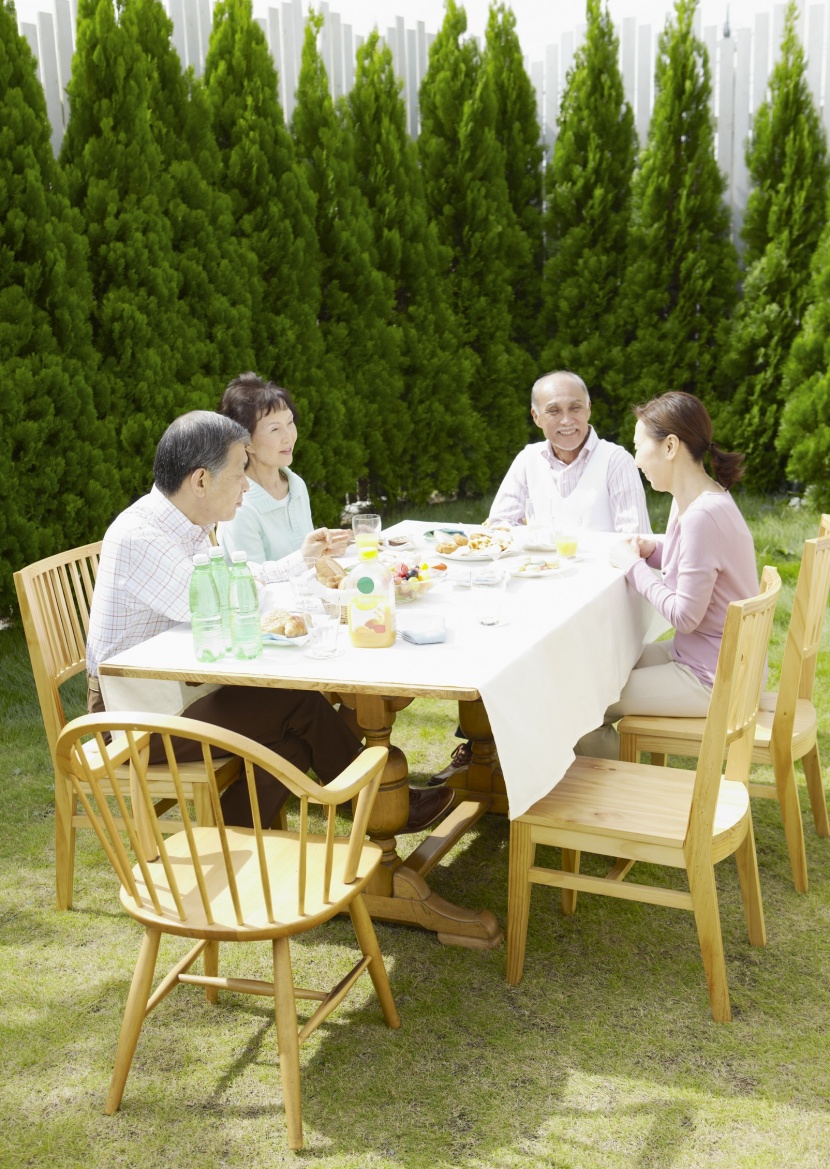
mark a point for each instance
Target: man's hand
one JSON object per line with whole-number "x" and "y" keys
{"x": 324, "y": 542}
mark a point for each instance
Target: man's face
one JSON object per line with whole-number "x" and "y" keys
{"x": 223, "y": 491}
{"x": 563, "y": 413}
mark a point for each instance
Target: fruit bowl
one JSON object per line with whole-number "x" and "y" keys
{"x": 414, "y": 581}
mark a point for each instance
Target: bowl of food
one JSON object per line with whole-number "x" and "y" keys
{"x": 415, "y": 580}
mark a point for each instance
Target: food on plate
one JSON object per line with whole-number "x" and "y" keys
{"x": 284, "y": 623}
{"x": 397, "y": 541}
{"x": 329, "y": 572}
{"x": 536, "y": 566}
{"x": 446, "y": 547}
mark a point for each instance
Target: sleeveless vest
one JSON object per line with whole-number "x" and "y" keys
{"x": 588, "y": 506}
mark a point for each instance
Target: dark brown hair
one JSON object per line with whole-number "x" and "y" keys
{"x": 248, "y": 398}
{"x": 685, "y": 416}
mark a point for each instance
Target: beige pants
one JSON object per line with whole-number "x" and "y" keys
{"x": 657, "y": 685}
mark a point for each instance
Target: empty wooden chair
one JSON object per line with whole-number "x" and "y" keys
{"x": 223, "y": 884}
{"x": 661, "y": 815}
{"x": 787, "y": 721}
{"x": 55, "y": 597}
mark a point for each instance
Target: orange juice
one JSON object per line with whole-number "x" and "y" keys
{"x": 371, "y": 604}
{"x": 566, "y": 546}
{"x": 366, "y": 541}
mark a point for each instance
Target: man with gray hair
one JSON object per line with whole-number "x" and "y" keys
{"x": 143, "y": 588}
{"x": 573, "y": 477}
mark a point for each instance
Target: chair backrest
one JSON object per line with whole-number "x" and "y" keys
{"x": 798, "y": 666}
{"x": 55, "y": 597}
{"x": 733, "y": 708}
{"x": 97, "y": 789}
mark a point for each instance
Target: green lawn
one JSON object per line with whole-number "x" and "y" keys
{"x": 605, "y": 1055}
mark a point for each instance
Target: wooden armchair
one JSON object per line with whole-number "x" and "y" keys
{"x": 222, "y": 884}
{"x": 787, "y": 721}
{"x": 55, "y": 597}
{"x": 661, "y": 815}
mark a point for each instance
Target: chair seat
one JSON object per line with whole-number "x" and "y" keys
{"x": 671, "y": 735}
{"x": 282, "y": 852}
{"x": 637, "y": 810}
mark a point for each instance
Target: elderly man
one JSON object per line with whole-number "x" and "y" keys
{"x": 143, "y": 589}
{"x": 573, "y": 476}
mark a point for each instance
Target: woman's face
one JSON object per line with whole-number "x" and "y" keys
{"x": 275, "y": 435}
{"x": 650, "y": 456}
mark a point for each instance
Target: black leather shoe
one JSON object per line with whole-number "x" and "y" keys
{"x": 461, "y": 757}
{"x": 426, "y": 805}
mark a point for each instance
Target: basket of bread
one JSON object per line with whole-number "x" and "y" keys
{"x": 481, "y": 544}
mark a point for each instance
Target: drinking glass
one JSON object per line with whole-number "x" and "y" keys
{"x": 366, "y": 530}
{"x": 489, "y": 588}
{"x": 324, "y": 629}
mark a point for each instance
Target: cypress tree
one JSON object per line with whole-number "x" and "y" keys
{"x": 116, "y": 178}
{"x": 356, "y": 313}
{"x": 786, "y": 213}
{"x": 588, "y": 188}
{"x": 216, "y": 270}
{"x": 682, "y": 278}
{"x": 57, "y": 487}
{"x": 446, "y": 451}
{"x": 519, "y": 134}
{"x": 464, "y": 179}
{"x": 274, "y": 210}
{"x": 804, "y": 434}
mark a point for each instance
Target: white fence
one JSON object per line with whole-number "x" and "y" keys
{"x": 741, "y": 61}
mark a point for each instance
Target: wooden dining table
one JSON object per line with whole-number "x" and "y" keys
{"x": 526, "y": 689}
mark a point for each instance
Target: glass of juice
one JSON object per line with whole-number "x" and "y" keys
{"x": 366, "y": 530}
{"x": 567, "y": 542}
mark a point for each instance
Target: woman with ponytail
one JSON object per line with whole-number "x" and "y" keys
{"x": 706, "y": 560}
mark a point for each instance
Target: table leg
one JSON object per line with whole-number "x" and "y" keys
{"x": 398, "y": 892}
{"x": 483, "y": 777}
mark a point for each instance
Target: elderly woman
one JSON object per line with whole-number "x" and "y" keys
{"x": 706, "y": 560}
{"x": 275, "y": 516}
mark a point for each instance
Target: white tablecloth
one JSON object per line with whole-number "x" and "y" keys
{"x": 546, "y": 674}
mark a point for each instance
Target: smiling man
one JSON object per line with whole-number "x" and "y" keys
{"x": 573, "y": 478}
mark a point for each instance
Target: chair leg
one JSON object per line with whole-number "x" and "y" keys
{"x": 570, "y": 864}
{"x": 134, "y": 1014}
{"x": 65, "y": 803}
{"x": 522, "y": 856}
{"x": 747, "y": 862}
{"x": 210, "y": 963}
{"x": 368, "y": 941}
{"x": 791, "y": 819}
{"x": 629, "y": 751}
{"x": 707, "y": 916}
{"x": 288, "y": 1042}
{"x": 202, "y": 805}
{"x": 818, "y": 800}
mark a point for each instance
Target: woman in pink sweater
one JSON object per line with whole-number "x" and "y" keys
{"x": 706, "y": 560}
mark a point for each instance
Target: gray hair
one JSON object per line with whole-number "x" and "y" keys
{"x": 200, "y": 439}
{"x": 558, "y": 373}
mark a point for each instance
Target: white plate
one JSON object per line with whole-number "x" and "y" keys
{"x": 278, "y": 639}
{"x": 459, "y": 557}
{"x": 539, "y": 547}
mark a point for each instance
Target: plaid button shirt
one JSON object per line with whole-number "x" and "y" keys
{"x": 143, "y": 584}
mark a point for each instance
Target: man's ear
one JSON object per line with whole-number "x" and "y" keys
{"x": 198, "y": 482}
{"x": 535, "y": 417}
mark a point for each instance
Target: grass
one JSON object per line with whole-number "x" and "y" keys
{"x": 604, "y": 1056}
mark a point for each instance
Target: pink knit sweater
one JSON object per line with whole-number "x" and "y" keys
{"x": 707, "y": 560}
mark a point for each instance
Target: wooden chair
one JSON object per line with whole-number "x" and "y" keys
{"x": 55, "y": 597}
{"x": 661, "y": 815}
{"x": 787, "y": 720}
{"x": 223, "y": 884}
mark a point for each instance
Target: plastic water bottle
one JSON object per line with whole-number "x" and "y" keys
{"x": 222, "y": 579}
{"x": 205, "y": 612}
{"x": 245, "y": 628}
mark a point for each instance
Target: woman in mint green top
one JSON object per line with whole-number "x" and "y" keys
{"x": 275, "y": 515}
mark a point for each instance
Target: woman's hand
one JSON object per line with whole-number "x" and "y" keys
{"x": 643, "y": 545}
{"x": 324, "y": 542}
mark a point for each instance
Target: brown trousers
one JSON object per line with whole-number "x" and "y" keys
{"x": 299, "y": 725}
